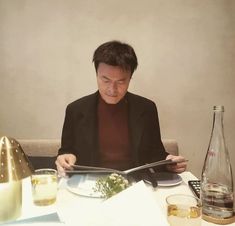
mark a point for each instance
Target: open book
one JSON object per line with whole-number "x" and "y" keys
{"x": 91, "y": 169}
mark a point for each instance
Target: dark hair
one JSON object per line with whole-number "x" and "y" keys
{"x": 116, "y": 53}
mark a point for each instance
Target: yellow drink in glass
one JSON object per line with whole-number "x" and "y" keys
{"x": 183, "y": 210}
{"x": 44, "y": 186}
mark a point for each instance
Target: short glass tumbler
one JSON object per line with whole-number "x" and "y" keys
{"x": 183, "y": 210}
{"x": 44, "y": 186}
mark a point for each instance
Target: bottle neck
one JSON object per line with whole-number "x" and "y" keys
{"x": 218, "y": 122}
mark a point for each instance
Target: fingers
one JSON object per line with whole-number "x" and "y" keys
{"x": 178, "y": 167}
{"x": 64, "y": 162}
{"x": 60, "y": 170}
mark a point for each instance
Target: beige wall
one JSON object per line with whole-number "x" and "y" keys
{"x": 186, "y": 63}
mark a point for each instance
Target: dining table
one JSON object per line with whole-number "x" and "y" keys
{"x": 141, "y": 203}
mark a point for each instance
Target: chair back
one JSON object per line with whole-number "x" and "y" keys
{"x": 42, "y": 152}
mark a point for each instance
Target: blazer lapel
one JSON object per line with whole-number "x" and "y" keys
{"x": 136, "y": 125}
{"x": 90, "y": 127}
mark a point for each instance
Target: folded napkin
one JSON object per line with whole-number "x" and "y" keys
{"x": 134, "y": 206}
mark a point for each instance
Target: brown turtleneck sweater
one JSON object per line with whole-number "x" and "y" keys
{"x": 114, "y": 139}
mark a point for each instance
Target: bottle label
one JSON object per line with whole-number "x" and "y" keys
{"x": 211, "y": 153}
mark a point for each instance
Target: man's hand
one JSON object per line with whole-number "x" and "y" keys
{"x": 64, "y": 162}
{"x": 178, "y": 167}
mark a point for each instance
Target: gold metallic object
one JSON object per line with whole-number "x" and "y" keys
{"x": 11, "y": 200}
{"x": 14, "y": 166}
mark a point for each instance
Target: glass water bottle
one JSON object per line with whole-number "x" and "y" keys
{"x": 217, "y": 180}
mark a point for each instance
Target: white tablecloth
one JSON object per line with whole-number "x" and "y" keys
{"x": 71, "y": 209}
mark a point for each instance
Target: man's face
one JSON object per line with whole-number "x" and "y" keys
{"x": 112, "y": 82}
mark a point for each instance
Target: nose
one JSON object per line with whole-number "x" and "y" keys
{"x": 113, "y": 88}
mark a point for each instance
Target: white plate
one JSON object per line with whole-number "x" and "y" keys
{"x": 83, "y": 184}
{"x": 167, "y": 179}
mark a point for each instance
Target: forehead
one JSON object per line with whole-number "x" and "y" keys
{"x": 112, "y": 72}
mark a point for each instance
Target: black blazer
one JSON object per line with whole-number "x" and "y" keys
{"x": 79, "y": 135}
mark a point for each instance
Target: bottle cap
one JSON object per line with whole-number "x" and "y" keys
{"x": 219, "y": 108}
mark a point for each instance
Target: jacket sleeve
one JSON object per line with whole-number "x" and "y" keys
{"x": 67, "y": 139}
{"x": 152, "y": 148}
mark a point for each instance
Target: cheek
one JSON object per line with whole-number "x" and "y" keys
{"x": 123, "y": 89}
{"x": 101, "y": 87}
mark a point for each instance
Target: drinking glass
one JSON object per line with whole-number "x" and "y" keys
{"x": 183, "y": 210}
{"x": 44, "y": 186}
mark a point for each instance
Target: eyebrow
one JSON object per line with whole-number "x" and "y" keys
{"x": 103, "y": 76}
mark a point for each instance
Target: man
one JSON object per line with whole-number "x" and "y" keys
{"x": 112, "y": 127}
